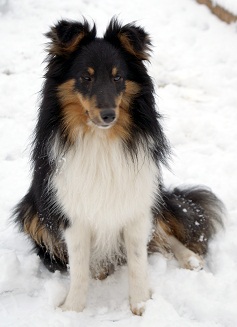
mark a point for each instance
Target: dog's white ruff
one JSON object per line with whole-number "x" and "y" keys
{"x": 107, "y": 196}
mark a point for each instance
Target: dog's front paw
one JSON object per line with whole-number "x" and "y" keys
{"x": 138, "y": 309}
{"x": 72, "y": 306}
{"x": 138, "y": 303}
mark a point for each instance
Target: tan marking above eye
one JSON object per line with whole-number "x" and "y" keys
{"x": 91, "y": 71}
{"x": 114, "y": 71}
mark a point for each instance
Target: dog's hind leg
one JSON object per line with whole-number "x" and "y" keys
{"x": 187, "y": 259}
{"x": 136, "y": 237}
{"x": 188, "y": 219}
{"x": 47, "y": 243}
{"x": 163, "y": 241}
{"x": 78, "y": 239}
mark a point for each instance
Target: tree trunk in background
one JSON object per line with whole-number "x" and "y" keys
{"x": 219, "y": 11}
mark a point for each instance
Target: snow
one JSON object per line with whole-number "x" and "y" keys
{"x": 194, "y": 66}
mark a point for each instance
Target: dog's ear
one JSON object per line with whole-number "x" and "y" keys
{"x": 67, "y": 36}
{"x": 132, "y": 38}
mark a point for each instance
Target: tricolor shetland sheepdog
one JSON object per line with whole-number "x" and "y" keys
{"x": 97, "y": 199}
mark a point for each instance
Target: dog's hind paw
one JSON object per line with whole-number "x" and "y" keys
{"x": 192, "y": 261}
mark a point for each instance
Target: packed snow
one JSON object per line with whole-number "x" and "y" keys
{"x": 194, "y": 67}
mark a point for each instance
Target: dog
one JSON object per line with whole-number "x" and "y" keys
{"x": 97, "y": 198}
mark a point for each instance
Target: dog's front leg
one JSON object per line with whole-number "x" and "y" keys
{"x": 78, "y": 239}
{"x": 136, "y": 237}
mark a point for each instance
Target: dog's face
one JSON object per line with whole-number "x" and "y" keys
{"x": 100, "y": 84}
{"x": 100, "y": 75}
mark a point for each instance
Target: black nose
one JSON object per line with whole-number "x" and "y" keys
{"x": 108, "y": 115}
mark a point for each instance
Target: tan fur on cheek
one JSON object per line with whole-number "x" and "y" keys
{"x": 89, "y": 105}
{"x": 131, "y": 91}
{"x": 74, "y": 112}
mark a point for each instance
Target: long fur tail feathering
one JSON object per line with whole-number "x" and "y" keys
{"x": 192, "y": 215}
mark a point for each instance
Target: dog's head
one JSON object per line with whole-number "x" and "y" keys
{"x": 97, "y": 76}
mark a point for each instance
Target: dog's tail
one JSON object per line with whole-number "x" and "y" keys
{"x": 191, "y": 215}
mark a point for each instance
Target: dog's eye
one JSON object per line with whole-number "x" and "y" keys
{"x": 117, "y": 78}
{"x": 86, "y": 78}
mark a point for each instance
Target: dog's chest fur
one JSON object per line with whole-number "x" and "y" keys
{"x": 97, "y": 183}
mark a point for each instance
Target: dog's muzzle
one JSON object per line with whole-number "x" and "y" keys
{"x": 108, "y": 116}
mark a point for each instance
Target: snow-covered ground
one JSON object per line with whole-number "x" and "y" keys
{"x": 194, "y": 66}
